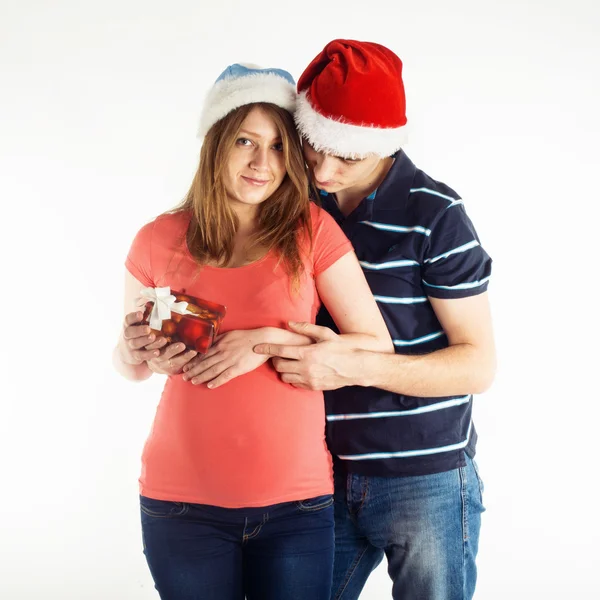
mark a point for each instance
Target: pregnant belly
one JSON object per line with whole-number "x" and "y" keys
{"x": 253, "y": 440}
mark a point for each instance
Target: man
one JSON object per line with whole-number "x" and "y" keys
{"x": 399, "y": 425}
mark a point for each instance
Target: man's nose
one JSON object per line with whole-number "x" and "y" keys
{"x": 324, "y": 168}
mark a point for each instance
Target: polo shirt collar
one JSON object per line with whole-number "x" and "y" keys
{"x": 399, "y": 179}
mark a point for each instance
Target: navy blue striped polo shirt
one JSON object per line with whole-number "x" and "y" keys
{"x": 414, "y": 240}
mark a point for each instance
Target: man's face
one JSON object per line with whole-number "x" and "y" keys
{"x": 333, "y": 174}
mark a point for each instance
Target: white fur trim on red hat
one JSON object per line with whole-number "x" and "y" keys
{"x": 231, "y": 93}
{"x": 343, "y": 139}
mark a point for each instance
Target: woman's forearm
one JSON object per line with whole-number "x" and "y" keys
{"x": 137, "y": 372}
{"x": 364, "y": 341}
{"x": 275, "y": 335}
{"x": 360, "y": 341}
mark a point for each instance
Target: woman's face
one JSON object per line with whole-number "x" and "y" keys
{"x": 256, "y": 165}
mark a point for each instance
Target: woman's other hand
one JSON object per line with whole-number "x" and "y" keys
{"x": 232, "y": 355}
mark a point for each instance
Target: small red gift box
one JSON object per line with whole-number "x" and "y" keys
{"x": 183, "y": 318}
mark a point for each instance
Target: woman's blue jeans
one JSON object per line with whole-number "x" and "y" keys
{"x": 201, "y": 552}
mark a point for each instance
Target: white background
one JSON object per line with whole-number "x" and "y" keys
{"x": 98, "y": 110}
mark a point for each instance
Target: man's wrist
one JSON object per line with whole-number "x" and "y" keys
{"x": 362, "y": 367}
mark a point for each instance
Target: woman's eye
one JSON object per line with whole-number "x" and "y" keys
{"x": 243, "y": 141}
{"x": 278, "y": 147}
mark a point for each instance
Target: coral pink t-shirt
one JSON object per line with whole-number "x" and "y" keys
{"x": 254, "y": 441}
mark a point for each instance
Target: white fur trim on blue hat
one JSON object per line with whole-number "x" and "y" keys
{"x": 241, "y": 84}
{"x": 343, "y": 139}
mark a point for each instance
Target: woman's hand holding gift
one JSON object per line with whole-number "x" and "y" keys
{"x": 139, "y": 344}
{"x": 171, "y": 359}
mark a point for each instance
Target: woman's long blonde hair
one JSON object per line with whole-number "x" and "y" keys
{"x": 282, "y": 218}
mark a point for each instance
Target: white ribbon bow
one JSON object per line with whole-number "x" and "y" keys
{"x": 164, "y": 303}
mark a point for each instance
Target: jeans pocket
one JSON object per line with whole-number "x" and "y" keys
{"x": 479, "y": 480}
{"x": 162, "y": 508}
{"x": 316, "y": 503}
{"x": 475, "y": 485}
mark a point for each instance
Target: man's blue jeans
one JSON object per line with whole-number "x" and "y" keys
{"x": 279, "y": 552}
{"x": 426, "y": 526}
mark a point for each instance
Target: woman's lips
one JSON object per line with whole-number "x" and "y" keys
{"x": 256, "y": 182}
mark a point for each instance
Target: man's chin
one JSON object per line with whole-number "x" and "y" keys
{"x": 328, "y": 187}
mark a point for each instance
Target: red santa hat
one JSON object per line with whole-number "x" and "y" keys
{"x": 351, "y": 100}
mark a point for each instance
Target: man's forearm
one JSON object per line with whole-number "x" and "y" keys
{"x": 458, "y": 369}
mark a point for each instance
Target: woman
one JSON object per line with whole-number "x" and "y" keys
{"x": 236, "y": 482}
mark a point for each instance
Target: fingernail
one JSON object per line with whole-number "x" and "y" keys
{"x": 156, "y": 353}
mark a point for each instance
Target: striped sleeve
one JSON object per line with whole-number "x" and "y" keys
{"x": 455, "y": 265}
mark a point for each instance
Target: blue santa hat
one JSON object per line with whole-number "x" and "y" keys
{"x": 241, "y": 84}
